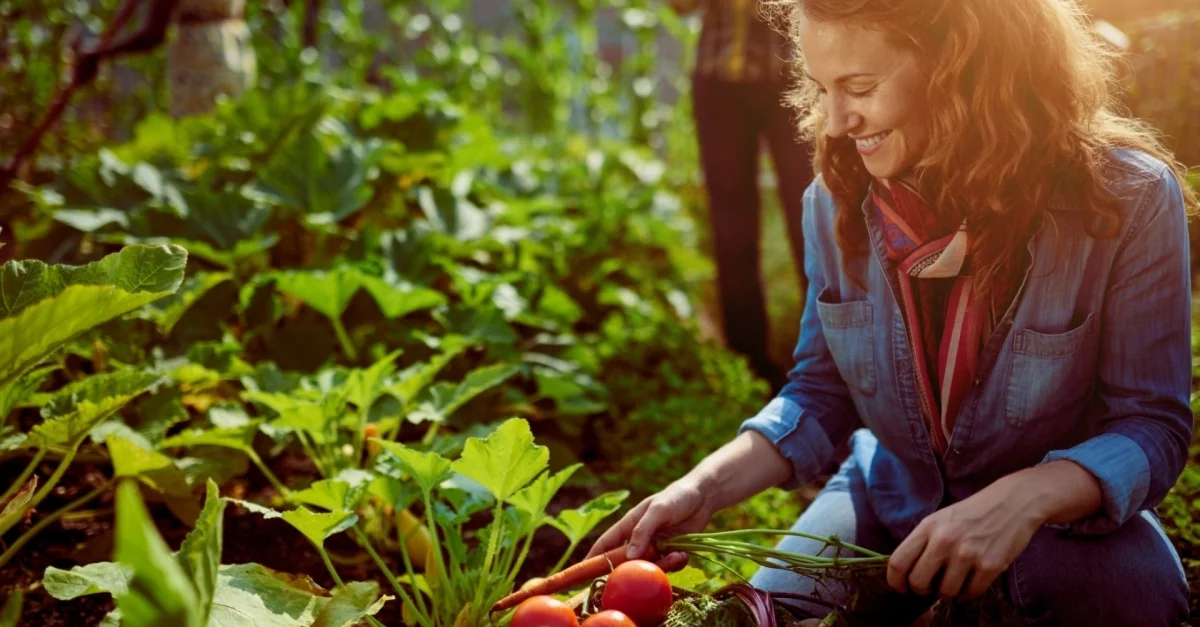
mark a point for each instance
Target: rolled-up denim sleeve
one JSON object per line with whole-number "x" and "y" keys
{"x": 813, "y": 413}
{"x": 1140, "y": 445}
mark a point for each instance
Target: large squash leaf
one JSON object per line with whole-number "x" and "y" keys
{"x": 73, "y": 411}
{"x": 42, "y": 307}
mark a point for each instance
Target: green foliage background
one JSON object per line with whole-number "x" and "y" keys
{"x": 513, "y": 210}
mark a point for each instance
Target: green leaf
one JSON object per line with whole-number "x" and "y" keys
{"x": 111, "y": 619}
{"x": 108, "y": 577}
{"x": 318, "y": 527}
{"x": 73, "y": 411}
{"x": 506, "y": 461}
{"x": 168, "y": 311}
{"x": 412, "y": 380}
{"x": 237, "y": 438}
{"x": 689, "y": 578}
{"x": 533, "y": 498}
{"x": 156, "y": 471}
{"x": 577, "y": 523}
{"x": 326, "y": 292}
{"x": 250, "y": 594}
{"x": 365, "y": 385}
{"x": 440, "y": 401}
{"x": 200, "y": 553}
{"x": 228, "y": 259}
{"x": 15, "y": 393}
{"x": 350, "y": 603}
{"x": 394, "y": 492}
{"x": 332, "y": 495}
{"x": 10, "y": 614}
{"x": 427, "y": 469}
{"x": 400, "y": 299}
{"x": 329, "y": 292}
{"x": 159, "y": 592}
{"x": 297, "y": 413}
{"x": 44, "y": 307}
{"x": 97, "y": 388}
{"x": 325, "y": 185}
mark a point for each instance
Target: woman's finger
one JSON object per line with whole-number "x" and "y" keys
{"x": 903, "y": 559}
{"x": 618, "y": 533}
{"x": 932, "y": 559}
{"x": 957, "y": 572}
{"x": 643, "y": 532}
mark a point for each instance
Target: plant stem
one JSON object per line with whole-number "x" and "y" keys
{"x": 773, "y": 532}
{"x": 563, "y": 561}
{"x": 312, "y": 454}
{"x": 485, "y": 574}
{"x": 20, "y": 481}
{"x": 437, "y": 546}
{"x": 47, "y": 520}
{"x": 262, "y": 467}
{"x": 514, "y": 568}
{"x": 344, "y": 338}
{"x": 45, "y": 491}
{"x": 329, "y": 565}
{"x": 431, "y": 434}
{"x": 387, "y": 572}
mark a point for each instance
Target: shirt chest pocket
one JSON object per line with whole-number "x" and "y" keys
{"x": 1049, "y": 373}
{"x": 849, "y": 334}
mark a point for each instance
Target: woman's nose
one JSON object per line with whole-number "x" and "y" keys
{"x": 840, "y": 120}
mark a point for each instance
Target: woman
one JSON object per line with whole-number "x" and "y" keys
{"x": 998, "y": 319}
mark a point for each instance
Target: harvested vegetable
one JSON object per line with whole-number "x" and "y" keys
{"x": 728, "y": 543}
{"x": 609, "y": 618}
{"x": 544, "y": 611}
{"x": 640, "y": 590}
{"x": 582, "y": 573}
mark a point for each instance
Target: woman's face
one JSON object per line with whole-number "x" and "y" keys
{"x": 871, "y": 92}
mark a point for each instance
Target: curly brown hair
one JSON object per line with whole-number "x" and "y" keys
{"x": 1022, "y": 106}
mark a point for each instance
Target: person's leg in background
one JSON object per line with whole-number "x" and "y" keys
{"x": 728, "y": 132}
{"x": 793, "y": 166}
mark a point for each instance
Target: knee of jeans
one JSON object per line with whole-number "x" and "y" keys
{"x": 1125, "y": 591}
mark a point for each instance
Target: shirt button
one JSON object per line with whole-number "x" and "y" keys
{"x": 978, "y": 381}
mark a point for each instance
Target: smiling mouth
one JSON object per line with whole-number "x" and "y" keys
{"x": 868, "y": 144}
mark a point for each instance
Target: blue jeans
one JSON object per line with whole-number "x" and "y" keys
{"x": 1130, "y": 577}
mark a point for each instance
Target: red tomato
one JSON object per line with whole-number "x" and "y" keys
{"x": 544, "y": 611}
{"x": 640, "y": 590}
{"x": 609, "y": 618}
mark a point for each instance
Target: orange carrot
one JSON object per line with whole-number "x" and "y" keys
{"x": 572, "y": 576}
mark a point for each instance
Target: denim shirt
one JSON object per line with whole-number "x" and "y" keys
{"x": 1091, "y": 363}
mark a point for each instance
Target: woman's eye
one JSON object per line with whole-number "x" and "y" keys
{"x": 860, "y": 94}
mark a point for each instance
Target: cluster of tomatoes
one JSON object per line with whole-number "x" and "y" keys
{"x": 637, "y": 594}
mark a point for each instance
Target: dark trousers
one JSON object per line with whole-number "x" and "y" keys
{"x": 731, "y": 118}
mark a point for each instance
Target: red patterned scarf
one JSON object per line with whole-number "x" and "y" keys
{"x": 948, "y": 322}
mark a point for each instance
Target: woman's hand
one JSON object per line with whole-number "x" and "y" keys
{"x": 676, "y": 510}
{"x": 983, "y": 534}
{"x": 977, "y": 538}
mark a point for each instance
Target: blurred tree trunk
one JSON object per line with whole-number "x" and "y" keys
{"x": 210, "y": 55}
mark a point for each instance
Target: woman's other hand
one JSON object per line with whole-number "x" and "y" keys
{"x": 676, "y": 510}
{"x": 976, "y": 540}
